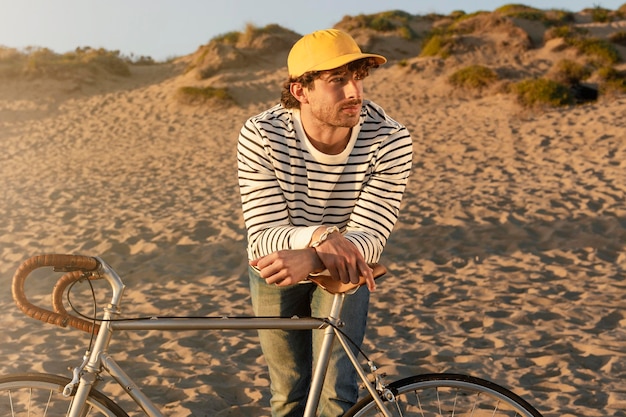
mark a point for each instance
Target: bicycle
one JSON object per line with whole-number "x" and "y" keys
{"x": 434, "y": 394}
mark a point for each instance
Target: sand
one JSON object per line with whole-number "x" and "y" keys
{"x": 507, "y": 263}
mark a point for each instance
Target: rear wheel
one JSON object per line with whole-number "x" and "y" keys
{"x": 24, "y": 395}
{"x": 438, "y": 395}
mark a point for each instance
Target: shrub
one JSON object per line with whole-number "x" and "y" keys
{"x": 390, "y": 21}
{"x": 600, "y": 14}
{"x": 514, "y": 8}
{"x": 407, "y": 33}
{"x": 44, "y": 62}
{"x": 230, "y": 38}
{"x": 473, "y": 76}
{"x": 618, "y": 38}
{"x": 612, "y": 80}
{"x": 557, "y": 17}
{"x": 569, "y": 72}
{"x": 11, "y": 62}
{"x": 246, "y": 37}
{"x": 601, "y": 51}
{"x": 437, "y": 45}
{"x": 541, "y": 92}
{"x": 109, "y": 61}
{"x": 200, "y": 95}
{"x": 565, "y": 32}
{"x": 457, "y": 14}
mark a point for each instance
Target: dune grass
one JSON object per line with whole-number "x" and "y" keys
{"x": 534, "y": 93}
{"x": 391, "y": 21}
{"x": 43, "y": 62}
{"x": 473, "y": 77}
{"x": 195, "y": 96}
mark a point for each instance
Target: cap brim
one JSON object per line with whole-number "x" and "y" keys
{"x": 346, "y": 59}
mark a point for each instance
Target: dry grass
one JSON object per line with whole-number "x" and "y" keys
{"x": 42, "y": 62}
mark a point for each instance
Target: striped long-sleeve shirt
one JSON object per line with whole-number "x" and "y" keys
{"x": 288, "y": 187}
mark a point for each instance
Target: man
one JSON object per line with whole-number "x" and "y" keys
{"x": 321, "y": 178}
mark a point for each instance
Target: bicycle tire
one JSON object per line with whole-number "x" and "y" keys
{"x": 42, "y": 395}
{"x": 446, "y": 394}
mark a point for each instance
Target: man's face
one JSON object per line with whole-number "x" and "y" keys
{"x": 336, "y": 98}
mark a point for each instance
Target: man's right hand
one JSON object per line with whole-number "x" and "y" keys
{"x": 343, "y": 260}
{"x": 288, "y": 267}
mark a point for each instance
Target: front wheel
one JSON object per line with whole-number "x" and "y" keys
{"x": 438, "y": 395}
{"x": 31, "y": 394}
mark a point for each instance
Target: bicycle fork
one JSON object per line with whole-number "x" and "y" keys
{"x": 86, "y": 376}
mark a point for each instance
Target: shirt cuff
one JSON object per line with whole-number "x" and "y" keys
{"x": 302, "y": 237}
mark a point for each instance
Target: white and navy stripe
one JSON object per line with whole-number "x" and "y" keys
{"x": 286, "y": 185}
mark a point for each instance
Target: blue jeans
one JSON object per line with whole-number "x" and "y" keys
{"x": 289, "y": 353}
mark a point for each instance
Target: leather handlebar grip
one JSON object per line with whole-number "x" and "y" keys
{"x": 76, "y": 265}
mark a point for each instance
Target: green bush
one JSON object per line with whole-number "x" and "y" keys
{"x": 542, "y": 92}
{"x": 390, "y": 21}
{"x": 521, "y": 11}
{"x": 612, "y": 80}
{"x": 550, "y": 17}
{"x": 565, "y": 32}
{"x": 200, "y": 95}
{"x": 437, "y": 45}
{"x": 569, "y": 72}
{"x": 407, "y": 33}
{"x": 556, "y": 17}
{"x": 600, "y": 15}
{"x": 618, "y": 38}
{"x": 109, "y": 61}
{"x": 246, "y": 37}
{"x": 473, "y": 76}
{"x": 600, "y": 51}
{"x": 229, "y": 38}
{"x": 42, "y": 62}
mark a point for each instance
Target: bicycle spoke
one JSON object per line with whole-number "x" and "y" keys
{"x": 40, "y": 395}
{"x": 448, "y": 395}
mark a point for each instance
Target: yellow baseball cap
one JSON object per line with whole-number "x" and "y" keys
{"x": 325, "y": 50}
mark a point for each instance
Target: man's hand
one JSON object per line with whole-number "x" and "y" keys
{"x": 344, "y": 261}
{"x": 288, "y": 267}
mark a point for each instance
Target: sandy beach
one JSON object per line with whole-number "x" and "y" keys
{"x": 508, "y": 261}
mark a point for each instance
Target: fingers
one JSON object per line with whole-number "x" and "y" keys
{"x": 343, "y": 261}
{"x": 286, "y": 267}
{"x": 368, "y": 274}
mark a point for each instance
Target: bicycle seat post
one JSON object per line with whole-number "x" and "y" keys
{"x": 319, "y": 373}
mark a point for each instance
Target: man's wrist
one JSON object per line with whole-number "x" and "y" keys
{"x": 318, "y": 265}
{"x": 324, "y": 236}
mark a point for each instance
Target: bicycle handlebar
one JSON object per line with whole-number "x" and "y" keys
{"x": 78, "y": 267}
{"x": 75, "y": 266}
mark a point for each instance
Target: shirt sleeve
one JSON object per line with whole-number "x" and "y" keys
{"x": 263, "y": 204}
{"x": 377, "y": 209}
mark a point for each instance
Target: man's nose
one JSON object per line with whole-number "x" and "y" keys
{"x": 354, "y": 88}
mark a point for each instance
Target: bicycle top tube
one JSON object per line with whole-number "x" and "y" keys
{"x": 84, "y": 267}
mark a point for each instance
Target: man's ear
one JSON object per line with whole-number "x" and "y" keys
{"x": 299, "y": 92}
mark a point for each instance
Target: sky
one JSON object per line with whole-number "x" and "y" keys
{"x": 164, "y": 29}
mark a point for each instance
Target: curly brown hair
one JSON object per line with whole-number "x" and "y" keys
{"x": 361, "y": 67}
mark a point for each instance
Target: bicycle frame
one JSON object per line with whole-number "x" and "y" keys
{"x": 86, "y": 375}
